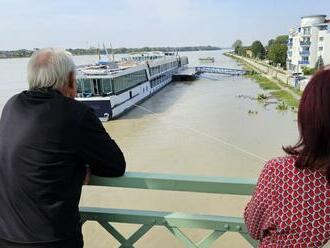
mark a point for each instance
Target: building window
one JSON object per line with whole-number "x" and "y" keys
{"x": 306, "y": 31}
{"x": 320, "y": 48}
{"x": 321, "y": 38}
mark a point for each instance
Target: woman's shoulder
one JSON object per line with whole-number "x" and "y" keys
{"x": 284, "y": 159}
{"x": 285, "y": 168}
{"x": 281, "y": 163}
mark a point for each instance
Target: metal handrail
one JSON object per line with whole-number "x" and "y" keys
{"x": 171, "y": 220}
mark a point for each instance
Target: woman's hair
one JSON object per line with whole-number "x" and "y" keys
{"x": 313, "y": 147}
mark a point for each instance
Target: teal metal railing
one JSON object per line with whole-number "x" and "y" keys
{"x": 171, "y": 220}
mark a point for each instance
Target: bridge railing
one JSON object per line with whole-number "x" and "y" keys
{"x": 220, "y": 70}
{"x": 172, "y": 221}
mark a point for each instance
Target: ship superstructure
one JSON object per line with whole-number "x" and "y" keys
{"x": 111, "y": 88}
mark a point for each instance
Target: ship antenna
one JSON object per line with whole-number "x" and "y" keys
{"x": 98, "y": 52}
{"x": 106, "y": 52}
{"x": 113, "y": 55}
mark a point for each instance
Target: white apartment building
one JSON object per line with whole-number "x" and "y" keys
{"x": 308, "y": 43}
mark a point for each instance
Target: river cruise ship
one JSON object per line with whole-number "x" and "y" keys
{"x": 112, "y": 88}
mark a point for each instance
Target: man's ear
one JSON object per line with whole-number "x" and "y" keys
{"x": 72, "y": 80}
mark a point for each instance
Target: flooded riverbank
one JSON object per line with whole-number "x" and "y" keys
{"x": 196, "y": 128}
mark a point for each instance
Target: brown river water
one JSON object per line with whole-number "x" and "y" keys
{"x": 193, "y": 128}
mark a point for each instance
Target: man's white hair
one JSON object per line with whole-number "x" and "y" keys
{"x": 49, "y": 68}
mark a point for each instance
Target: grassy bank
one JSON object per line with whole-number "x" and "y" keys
{"x": 273, "y": 87}
{"x": 265, "y": 83}
{"x": 286, "y": 97}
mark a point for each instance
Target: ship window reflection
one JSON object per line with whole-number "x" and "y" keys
{"x": 87, "y": 86}
{"x": 124, "y": 82}
{"x": 106, "y": 85}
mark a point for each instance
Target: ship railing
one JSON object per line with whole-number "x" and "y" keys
{"x": 172, "y": 221}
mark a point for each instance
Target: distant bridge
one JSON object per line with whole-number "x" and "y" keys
{"x": 220, "y": 70}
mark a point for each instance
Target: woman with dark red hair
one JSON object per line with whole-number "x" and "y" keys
{"x": 291, "y": 204}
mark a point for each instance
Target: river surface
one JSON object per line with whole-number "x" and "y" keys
{"x": 194, "y": 128}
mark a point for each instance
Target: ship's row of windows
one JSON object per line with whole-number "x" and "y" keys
{"x": 163, "y": 67}
{"x": 104, "y": 86}
{"x": 158, "y": 80}
{"x": 127, "y": 81}
{"x": 144, "y": 58}
{"x": 94, "y": 86}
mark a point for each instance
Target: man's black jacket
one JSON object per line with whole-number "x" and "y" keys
{"x": 46, "y": 140}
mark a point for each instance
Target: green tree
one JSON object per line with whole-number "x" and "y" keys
{"x": 258, "y": 50}
{"x": 282, "y": 39}
{"x": 237, "y": 45}
{"x": 241, "y": 51}
{"x": 277, "y": 53}
{"x": 277, "y": 50}
{"x": 270, "y": 42}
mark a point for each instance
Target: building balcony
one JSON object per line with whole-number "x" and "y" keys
{"x": 306, "y": 34}
{"x": 304, "y": 53}
{"x": 172, "y": 221}
{"x": 305, "y": 43}
{"x": 303, "y": 62}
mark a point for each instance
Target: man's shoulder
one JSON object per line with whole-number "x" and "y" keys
{"x": 79, "y": 109}
{"x": 11, "y": 101}
{"x": 77, "y": 104}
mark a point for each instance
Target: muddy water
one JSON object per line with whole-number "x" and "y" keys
{"x": 197, "y": 128}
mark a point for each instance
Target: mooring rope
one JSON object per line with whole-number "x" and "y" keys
{"x": 218, "y": 139}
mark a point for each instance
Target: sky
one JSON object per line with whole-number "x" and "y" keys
{"x": 137, "y": 23}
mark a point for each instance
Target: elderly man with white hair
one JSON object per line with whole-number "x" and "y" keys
{"x": 46, "y": 140}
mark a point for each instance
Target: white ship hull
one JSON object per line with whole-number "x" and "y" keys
{"x": 120, "y": 100}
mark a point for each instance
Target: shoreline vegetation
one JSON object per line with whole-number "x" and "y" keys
{"x": 276, "y": 89}
{"x": 23, "y": 53}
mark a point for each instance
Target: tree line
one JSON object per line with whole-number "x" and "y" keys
{"x": 93, "y": 50}
{"x": 275, "y": 50}
{"x": 124, "y": 50}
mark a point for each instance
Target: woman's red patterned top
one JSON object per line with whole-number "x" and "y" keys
{"x": 290, "y": 207}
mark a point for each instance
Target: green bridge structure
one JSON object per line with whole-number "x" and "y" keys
{"x": 172, "y": 221}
